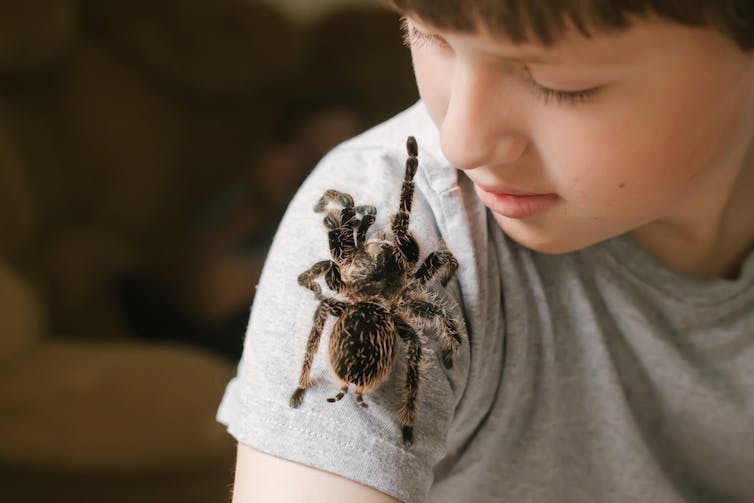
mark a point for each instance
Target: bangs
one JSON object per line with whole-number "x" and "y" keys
{"x": 546, "y": 21}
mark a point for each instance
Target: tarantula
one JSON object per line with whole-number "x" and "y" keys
{"x": 387, "y": 296}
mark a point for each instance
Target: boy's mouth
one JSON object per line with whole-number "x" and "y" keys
{"x": 513, "y": 203}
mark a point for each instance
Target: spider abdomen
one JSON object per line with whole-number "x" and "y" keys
{"x": 362, "y": 345}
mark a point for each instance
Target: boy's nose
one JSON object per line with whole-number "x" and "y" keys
{"x": 479, "y": 126}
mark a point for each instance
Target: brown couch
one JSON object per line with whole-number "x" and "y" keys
{"x": 120, "y": 122}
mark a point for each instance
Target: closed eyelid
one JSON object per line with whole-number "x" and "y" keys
{"x": 416, "y": 37}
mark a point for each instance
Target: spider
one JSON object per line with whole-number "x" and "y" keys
{"x": 387, "y": 299}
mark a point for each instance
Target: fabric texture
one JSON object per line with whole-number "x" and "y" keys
{"x": 598, "y": 375}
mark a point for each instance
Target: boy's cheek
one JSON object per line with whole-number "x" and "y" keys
{"x": 601, "y": 177}
{"x": 433, "y": 82}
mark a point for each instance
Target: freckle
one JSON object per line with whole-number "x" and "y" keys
{"x": 621, "y": 185}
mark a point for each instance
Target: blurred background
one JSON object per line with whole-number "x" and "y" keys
{"x": 147, "y": 150}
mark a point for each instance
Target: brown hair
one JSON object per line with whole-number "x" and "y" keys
{"x": 546, "y": 20}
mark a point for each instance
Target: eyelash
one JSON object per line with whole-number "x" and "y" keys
{"x": 413, "y": 37}
{"x": 548, "y": 95}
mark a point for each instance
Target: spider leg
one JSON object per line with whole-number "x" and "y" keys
{"x": 340, "y": 395}
{"x": 340, "y": 223}
{"x": 413, "y": 377}
{"x": 308, "y": 278}
{"x": 407, "y": 246}
{"x": 439, "y": 260}
{"x": 359, "y": 397}
{"x": 326, "y": 268}
{"x": 343, "y": 241}
{"x": 450, "y": 340}
{"x": 365, "y": 223}
{"x": 325, "y": 309}
{"x": 366, "y": 209}
{"x": 341, "y": 226}
{"x": 329, "y": 196}
{"x": 350, "y": 221}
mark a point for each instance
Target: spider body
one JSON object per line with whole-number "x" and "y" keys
{"x": 387, "y": 297}
{"x": 362, "y": 345}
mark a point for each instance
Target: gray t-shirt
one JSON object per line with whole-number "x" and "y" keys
{"x": 598, "y": 375}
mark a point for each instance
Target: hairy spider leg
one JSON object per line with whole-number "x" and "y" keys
{"x": 413, "y": 377}
{"x": 359, "y": 397}
{"x": 347, "y": 230}
{"x": 342, "y": 242}
{"x": 326, "y": 268}
{"x": 308, "y": 278}
{"x": 407, "y": 246}
{"x": 438, "y": 261}
{"x": 332, "y": 195}
{"x": 326, "y": 308}
{"x": 412, "y": 147}
{"x": 339, "y": 396}
{"x": 341, "y": 224}
{"x": 344, "y": 390}
{"x": 451, "y": 341}
{"x": 366, "y": 209}
{"x": 361, "y": 232}
{"x": 342, "y": 245}
{"x": 366, "y": 222}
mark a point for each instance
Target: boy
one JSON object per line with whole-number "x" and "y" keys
{"x": 591, "y": 166}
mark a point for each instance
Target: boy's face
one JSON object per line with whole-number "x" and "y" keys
{"x": 591, "y": 138}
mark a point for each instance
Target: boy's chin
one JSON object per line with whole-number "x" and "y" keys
{"x": 542, "y": 239}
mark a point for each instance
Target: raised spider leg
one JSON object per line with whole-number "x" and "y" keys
{"x": 366, "y": 222}
{"x": 450, "y": 341}
{"x": 413, "y": 377}
{"x": 407, "y": 245}
{"x": 326, "y": 308}
{"x": 340, "y": 223}
{"x": 336, "y": 196}
{"x": 438, "y": 261}
{"x": 345, "y": 201}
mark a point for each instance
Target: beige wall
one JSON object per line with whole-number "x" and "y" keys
{"x": 306, "y": 10}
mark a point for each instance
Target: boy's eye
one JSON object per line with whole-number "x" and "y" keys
{"x": 412, "y": 37}
{"x": 560, "y": 96}
{"x": 549, "y": 95}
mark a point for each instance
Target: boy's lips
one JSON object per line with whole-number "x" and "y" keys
{"x": 513, "y": 203}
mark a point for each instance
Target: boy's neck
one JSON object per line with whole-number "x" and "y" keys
{"x": 696, "y": 255}
{"x": 716, "y": 235}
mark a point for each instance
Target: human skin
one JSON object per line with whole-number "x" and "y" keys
{"x": 657, "y": 141}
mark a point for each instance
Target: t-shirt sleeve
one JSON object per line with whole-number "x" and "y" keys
{"x": 360, "y": 443}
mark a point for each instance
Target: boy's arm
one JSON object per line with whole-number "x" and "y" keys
{"x": 261, "y": 477}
